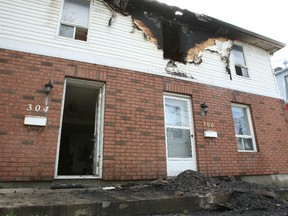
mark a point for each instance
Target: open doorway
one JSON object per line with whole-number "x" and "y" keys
{"x": 80, "y": 139}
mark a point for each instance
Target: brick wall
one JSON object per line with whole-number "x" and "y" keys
{"x": 134, "y": 134}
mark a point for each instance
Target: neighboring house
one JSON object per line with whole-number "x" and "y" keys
{"x": 131, "y": 84}
{"x": 281, "y": 75}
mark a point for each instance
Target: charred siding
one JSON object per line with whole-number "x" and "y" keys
{"x": 182, "y": 36}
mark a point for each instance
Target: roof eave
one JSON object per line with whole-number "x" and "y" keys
{"x": 266, "y": 43}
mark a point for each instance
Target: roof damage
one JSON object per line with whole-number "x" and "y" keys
{"x": 184, "y": 35}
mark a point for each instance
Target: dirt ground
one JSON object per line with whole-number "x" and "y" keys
{"x": 242, "y": 198}
{"x": 246, "y": 199}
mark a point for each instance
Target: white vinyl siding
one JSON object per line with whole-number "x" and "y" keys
{"x": 120, "y": 45}
{"x": 282, "y": 83}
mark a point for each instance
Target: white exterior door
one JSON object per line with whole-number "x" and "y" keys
{"x": 179, "y": 135}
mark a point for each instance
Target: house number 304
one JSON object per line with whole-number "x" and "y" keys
{"x": 37, "y": 108}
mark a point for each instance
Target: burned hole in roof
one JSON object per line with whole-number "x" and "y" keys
{"x": 183, "y": 35}
{"x": 179, "y": 33}
{"x": 172, "y": 41}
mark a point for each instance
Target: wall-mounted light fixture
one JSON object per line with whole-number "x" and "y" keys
{"x": 48, "y": 87}
{"x": 204, "y": 108}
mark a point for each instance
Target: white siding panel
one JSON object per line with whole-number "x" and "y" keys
{"x": 259, "y": 69}
{"x": 280, "y": 78}
{"x": 121, "y": 40}
{"x": 29, "y": 19}
{"x": 32, "y": 26}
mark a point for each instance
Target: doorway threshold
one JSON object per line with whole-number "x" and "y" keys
{"x": 77, "y": 177}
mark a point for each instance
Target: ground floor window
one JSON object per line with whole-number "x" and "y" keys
{"x": 243, "y": 127}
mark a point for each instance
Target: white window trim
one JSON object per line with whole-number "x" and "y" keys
{"x": 286, "y": 88}
{"x": 252, "y": 136}
{"x": 73, "y": 24}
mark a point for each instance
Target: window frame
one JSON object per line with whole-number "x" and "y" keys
{"x": 74, "y": 25}
{"x": 240, "y": 65}
{"x": 250, "y": 124}
{"x": 286, "y": 88}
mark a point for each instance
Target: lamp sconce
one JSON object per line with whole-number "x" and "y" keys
{"x": 204, "y": 108}
{"x": 48, "y": 87}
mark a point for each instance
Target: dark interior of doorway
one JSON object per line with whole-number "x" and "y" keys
{"x": 77, "y": 136}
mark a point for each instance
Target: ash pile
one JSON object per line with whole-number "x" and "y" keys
{"x": 243, "y": 198}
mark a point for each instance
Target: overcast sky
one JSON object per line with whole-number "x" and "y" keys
{"x": 268, "y": 18}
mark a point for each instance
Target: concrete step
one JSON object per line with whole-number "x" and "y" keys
{"x": 95, "y": 201}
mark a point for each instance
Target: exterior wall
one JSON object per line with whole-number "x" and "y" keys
{"x": 281, "y": 83}
{"x": 121, "y": 46}
{"x": 134, "y": 134}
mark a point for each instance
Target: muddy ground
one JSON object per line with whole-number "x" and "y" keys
{"x": 246, "y": 199}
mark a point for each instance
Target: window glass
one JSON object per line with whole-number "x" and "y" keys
{"x": 243, "y": 128}
{"x": 241, "y": 121}
{"x": 75, "y": 19}
{"x": 76, "y": 11}
{"x": 241, "y": 71}
{"x": 240, "y": 144}
{"x": 239, "y": 61}
{"x": 176, "y": 112}
{"x": 245, "y": 144}
{"x": 178, "y": 127}
{"x": 238, "y": 55}
{"x": 66, "y": 31}
{"x": 178, "y": 143}
{"x": 81, "y": 34}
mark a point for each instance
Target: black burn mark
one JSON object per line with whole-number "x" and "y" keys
{"x": 151, "y": 22}
{"x": 176, "y": 35}
{"x": 171, "y": 36}
{"x": 227, "y": 67}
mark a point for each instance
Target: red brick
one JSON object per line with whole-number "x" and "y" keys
{"x": 134, "y": 133}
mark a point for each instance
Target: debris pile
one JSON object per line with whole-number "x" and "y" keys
{"x": 244, "y": 198}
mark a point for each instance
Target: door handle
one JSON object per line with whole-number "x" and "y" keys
{"x": 192, "y": 135}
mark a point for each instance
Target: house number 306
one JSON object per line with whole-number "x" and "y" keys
{"x": 37, "y": 108}
{"x": 208, "y": 124}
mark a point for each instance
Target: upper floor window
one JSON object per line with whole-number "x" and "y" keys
{"x": 239, "y": 61}
{"x": 243, "y": 127}
{"x": 75, "y": 19}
